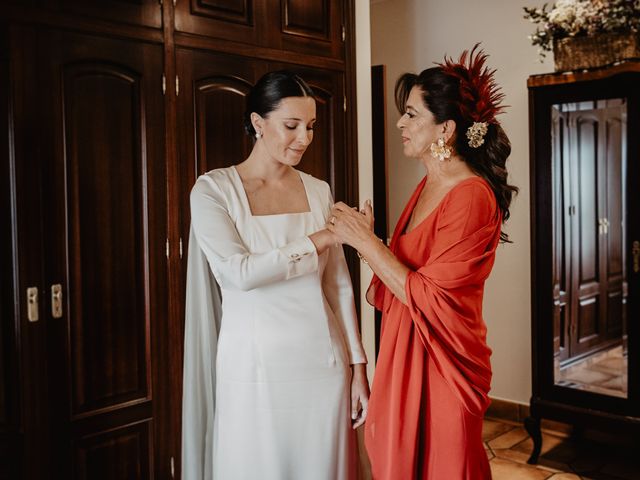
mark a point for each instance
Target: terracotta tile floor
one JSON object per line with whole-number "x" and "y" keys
{"x": 508, "y": 447}
{"x": 603, "y": 372}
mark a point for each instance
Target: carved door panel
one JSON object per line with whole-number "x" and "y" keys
{"x": 101, "y": 172}
{"x": 589, "y": 285}
{"x": 147, "y": 13}
{"x": 313, "y": 27}
{"x": 241, "y": 21}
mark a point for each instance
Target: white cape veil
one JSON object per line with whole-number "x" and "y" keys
{"x": 202, "y": 323}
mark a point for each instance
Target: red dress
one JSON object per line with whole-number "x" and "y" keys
{"x": 433, "y": 373}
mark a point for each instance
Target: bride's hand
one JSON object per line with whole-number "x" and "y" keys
{"x": 359, "y": 395}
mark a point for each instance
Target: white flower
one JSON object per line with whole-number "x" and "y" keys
{"x": 570, "y": 18}
{"x": 568, "y": 15}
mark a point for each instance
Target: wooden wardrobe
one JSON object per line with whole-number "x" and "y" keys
{"x": 585, "y": 250}
{"x": 108, "y": 112}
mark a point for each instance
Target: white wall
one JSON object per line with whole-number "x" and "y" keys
{"x": 409, "y": 35}
{"x": 365, "y": 170}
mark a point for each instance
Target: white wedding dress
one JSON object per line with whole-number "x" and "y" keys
{"x": 266, "y": 377}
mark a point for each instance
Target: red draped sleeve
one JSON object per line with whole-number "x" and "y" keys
{"x": 382, "y": 297}
{"x": 444, "y": 296}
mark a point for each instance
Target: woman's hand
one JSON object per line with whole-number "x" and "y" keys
{"x": 350, "y": 226}
{"x": 359, "y": 395}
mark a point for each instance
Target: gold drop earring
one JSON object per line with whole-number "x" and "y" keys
{"x": 440, "y": 150}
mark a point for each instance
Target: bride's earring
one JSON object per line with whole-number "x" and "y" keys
{"x": 440, "y": 150}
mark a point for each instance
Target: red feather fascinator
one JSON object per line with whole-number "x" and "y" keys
{"x": 479, "y": 94}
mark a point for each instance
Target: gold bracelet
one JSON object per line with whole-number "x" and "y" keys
{"x": 364, "y": 260}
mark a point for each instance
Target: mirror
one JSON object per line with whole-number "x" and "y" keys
{"x": 589, "y": 275}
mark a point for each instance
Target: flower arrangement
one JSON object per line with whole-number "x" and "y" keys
{"x": 572, "y": 18}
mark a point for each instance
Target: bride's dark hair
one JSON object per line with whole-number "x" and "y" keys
{"x": 466, "y": 93}
{"x": 268, "y": 93}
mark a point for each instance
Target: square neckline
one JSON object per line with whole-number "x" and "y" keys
{"x": 437, "y": 207}
{"x": 245, "y": 197}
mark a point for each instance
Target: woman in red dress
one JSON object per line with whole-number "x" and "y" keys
{"x": 433, "y": 373}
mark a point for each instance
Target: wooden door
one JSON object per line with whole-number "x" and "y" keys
{"x": 586, "y": 253}
{"x": 592, "y": 209}
{"x": 147, "y": 13}
{"x": 242, "y": 21}
{"x": 309, "y": 27}
{"x": 614, "y": 138}
{"x": 100, "y": 169}
{"x": 562, "y": 211}
{"x": 16, "y": 277}
{"x": 95, "y": 206}
{"x": 312, "y": 27}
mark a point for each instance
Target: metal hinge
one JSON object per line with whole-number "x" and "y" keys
{"x": 180, "y": 247}
{"x": 344, "y": 103}
{"x": 164, "y": 84}
{"x": 173, "y": 468}
{"x": 344, "y": 33}
{"x": 167, "y": 248}
{"x": 177, "y": 85}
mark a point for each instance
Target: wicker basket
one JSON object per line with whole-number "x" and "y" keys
{"x": 574, "y": 53}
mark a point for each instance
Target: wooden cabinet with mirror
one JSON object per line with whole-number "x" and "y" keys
{"x": 585, "y": 228}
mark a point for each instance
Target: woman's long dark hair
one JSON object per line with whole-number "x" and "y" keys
{"x": 269, "y": 91}
{"x": 441, "y": 95}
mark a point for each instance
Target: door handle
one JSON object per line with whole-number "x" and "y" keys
{"x": 56, "y": 300}
{"x": 32, "y": 304}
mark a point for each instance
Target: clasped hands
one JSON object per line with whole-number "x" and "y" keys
{"x": 349, "y": 225}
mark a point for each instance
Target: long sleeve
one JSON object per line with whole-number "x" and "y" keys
{"x": 337, "y": 287}
{"x": 338, "y": 290}
{"x": 234, "y": 267}
{"x": 445, "y": 295}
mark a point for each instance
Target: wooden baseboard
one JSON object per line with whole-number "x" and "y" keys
{"x": 506, "y": 410}
{"x": 516, "y": 412}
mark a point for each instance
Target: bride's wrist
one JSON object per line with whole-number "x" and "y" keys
{"x": 322, "y": 239}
